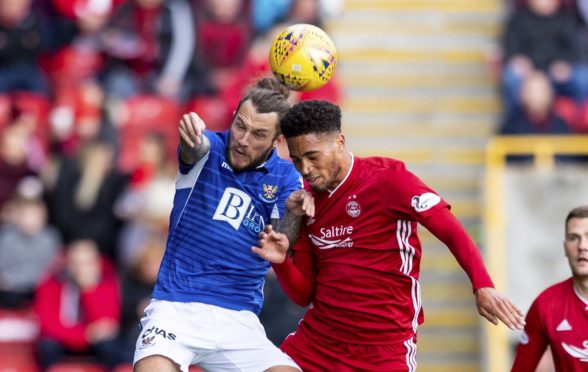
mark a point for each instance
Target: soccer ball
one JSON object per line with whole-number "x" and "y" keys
{"x": 303, "y": 57}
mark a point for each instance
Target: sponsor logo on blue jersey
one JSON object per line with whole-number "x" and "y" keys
{"x": 236, "y": 209}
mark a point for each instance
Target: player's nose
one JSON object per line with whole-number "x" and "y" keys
{"x": 244, "y": 140}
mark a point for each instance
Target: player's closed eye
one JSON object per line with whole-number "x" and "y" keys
{"x": 572, "y": 238}
{"x": 259, "y": 135}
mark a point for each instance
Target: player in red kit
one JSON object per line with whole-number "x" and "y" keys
{"x": 357, "y": 261}
{"x": 558, "y": 318}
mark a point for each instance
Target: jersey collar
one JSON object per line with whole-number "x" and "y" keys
{"x": 584, "y": 300}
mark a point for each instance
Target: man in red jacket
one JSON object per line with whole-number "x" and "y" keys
{"x": 357, "y": 260}
{"x": 79, "y": 308}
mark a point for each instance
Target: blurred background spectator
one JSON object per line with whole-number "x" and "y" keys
{"x": 29, "y": 246}
{"x": 82, "y": 199}
{"x": 149, "y": 46}
{"x": 79, "y": 308}
{"x": 21, "y": 43}
{"x": 542, "y": 37}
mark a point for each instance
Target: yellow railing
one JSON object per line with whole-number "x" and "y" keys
{"x": 543, "y": 149}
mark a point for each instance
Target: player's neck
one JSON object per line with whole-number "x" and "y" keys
{"x": 581, "y": 286}
{"x": 346, "y": 164}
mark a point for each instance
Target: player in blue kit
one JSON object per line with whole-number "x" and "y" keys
{"x": 209, "y": 288}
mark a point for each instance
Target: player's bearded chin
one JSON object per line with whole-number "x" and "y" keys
{"x": 255, "y": 162}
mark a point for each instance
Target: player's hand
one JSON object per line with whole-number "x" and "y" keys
{"x": 494, "y": 306}
{"x": 191, "y": 129}
{"x": 273, "y": 246}
{"x": 300, "y": 203}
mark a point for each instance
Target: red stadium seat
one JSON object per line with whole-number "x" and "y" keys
{"x": 5, "y": 110}
{"x": 18, "y": 330}
{"x": 582, "y": 124}
{"x": 329, "y": 92}
{"x": 76, "y": 367}
{"x": 142, "y": 115}
{"x": 69, "y": 65}
{"x": 213, "y": 111}
{"x": 123, "y": 368}
{"x": 150, "y": 111}
{"x": 567, "y": 109}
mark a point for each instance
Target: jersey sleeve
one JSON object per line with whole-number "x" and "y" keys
{"x": 292, "y": 182}
{"x": 451, "y": 232}
{"x": 408, "y": 195}
{"x": 532, "y": 341}
{"x": 297, "y": 277}
{"x": 185, "y": 168}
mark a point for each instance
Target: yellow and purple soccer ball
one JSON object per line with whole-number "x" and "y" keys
{"x": 303, "y": 57}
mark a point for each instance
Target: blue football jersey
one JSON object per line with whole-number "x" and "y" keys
{"x": 216, "y": 217}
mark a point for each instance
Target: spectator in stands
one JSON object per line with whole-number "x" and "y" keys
{"x": 543, "y": 36}
{"x": 79, "y": 116}
{"x": 150, "y": 46}
{"x": 147, "y": 201}
{"x": 224, "y": 37}
{"x": 82, "y": 198}
{"x": 78, "y": 56}
{"x": 28, "y": 245}
{"x": 79, "y": 308}
{"x": 21, "y": 42}
{"x": 535, "y": 114}
{"x": 138, "y": 279}
{"x": 14, "y": 164}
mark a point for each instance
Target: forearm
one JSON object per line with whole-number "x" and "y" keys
{"x": 289, "y": 226}
{"x": 451, "y": 232}
{"x": 296, "y": 285}
{"x": 192, "y": 155}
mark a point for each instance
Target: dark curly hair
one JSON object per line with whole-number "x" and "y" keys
{"x": 314, "y": 116}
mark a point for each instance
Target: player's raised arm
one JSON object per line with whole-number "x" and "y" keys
{"x": 491, "y": 304}
{"x": 300, "y": 203}
{"x": 193, "y": 143}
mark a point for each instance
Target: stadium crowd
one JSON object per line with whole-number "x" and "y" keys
{"x": 91, "y": 92}
{"x": 544, "y": 52}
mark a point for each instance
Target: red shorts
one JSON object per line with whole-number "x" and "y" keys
{"x": 320, "y": 354}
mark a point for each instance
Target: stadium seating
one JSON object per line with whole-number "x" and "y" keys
{"x": 213, "y": 111}
{"x": 18, "y": 329}
{"x": 145, "y": 114}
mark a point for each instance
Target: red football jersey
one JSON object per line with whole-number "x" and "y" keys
{"x": 366, "y": 253}
{"x": 558, "y": 318}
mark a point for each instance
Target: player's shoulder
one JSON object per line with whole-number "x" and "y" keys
{"x": 378, "y": 163}
{"x": 556, "y": 291}
{"x": 283, "y": 167}
{"x": 383, "y": 169}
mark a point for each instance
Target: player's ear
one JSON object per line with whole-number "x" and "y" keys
{"x": 340, "y": 141}
{"x": 279, "y": 139}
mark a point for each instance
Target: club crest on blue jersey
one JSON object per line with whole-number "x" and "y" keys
{"x": 269, "y": 192}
